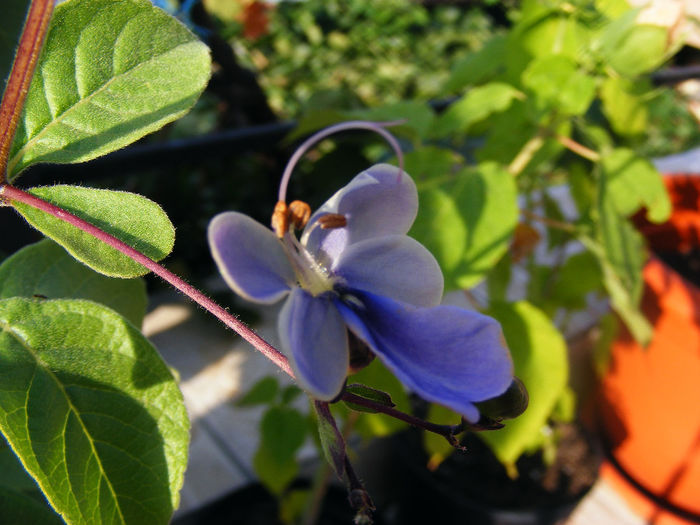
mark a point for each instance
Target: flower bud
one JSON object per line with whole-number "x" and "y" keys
{"x": 508, "y": 405}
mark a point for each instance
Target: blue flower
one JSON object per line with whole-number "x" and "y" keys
{"x": 354, "y": 268}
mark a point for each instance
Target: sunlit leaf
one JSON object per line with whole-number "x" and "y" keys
{"x": 467, "y": 222}
{"x": 632, "y": 182}
{"x": 540, "y": 359}
{"x": 45, "y": 270}
{"x": 559, "y": 85}
{"x": 92, "y": 411}
{"x": 137, "y": 221}
{"x": 111, "y": 71}
{"x": 477, "y": 104}
{"x": 624, "y": 106}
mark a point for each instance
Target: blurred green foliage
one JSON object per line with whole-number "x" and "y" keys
{"x": 335, "y": 53}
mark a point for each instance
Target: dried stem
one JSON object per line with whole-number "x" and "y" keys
{"x": 12, "y": 194}
{"x": 28, "y": 51}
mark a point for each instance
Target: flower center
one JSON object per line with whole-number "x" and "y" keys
{"x": 312, "y": 276}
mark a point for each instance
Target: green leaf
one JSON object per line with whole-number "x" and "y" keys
{"x": 418, "y": 117}
{"x": 578, "y": 276}
{"x": 478, "y": 65}
{"x": 467, "y": 222}
{"x": 379, "y": 377}
{"x": 632, "y": 49}
{"x": 545, "y": 33}
{"x": 368, "y": 393}
{"x": 332, "y": 441}
{"x": 13, "y": 16}
{"x": 289, "y": 394}
{"x": 282, "y": 432}
{"x": 92, "y": 411}
{"x": 45, "y": 269}
{"x": 619, "y": 248}
{"x": 632, "y": 182}
{"x": 436, "y": 446}
{"x": 478, "y": 104}
{"x": 624, "y": 106}
{"x": 559, "y": 85}
{"x": 429, "y": 165}
{"x": 261, "y": 393}
{"x": 134, "y": 219}
{"x": 111, "y": 72}
{"x": 540, "y": 359}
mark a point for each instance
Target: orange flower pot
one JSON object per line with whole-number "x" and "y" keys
{"x": 650, "y": 397}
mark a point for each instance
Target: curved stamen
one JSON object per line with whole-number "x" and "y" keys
{"x": 377, "y": 127}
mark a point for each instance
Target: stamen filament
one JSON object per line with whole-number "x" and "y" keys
{"x": 377, "y": 127}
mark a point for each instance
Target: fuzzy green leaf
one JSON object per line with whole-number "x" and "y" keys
{"x": 540, "y": 360}
{"x": 92, "y": 411}
{"x": 137, "y": 221}
{"x": 45, "y": 270}
{"x": 111, "y": 72}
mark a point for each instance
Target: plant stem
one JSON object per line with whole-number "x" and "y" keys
{"x": 28, "y": 51}
{"x": 579, "y": 149}
{"x": 12, "y": 194}
{"x": 552, "y": 223}
{"x": 448, "y": 431}
{"x": 525, "y": 155}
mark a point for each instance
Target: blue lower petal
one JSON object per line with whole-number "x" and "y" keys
{"x": 314, "y": 338}
{"x": 445, "y": 354}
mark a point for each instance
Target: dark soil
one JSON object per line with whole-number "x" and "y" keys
{"x": 475, "y": 484}
{"x": 478, "y": 473}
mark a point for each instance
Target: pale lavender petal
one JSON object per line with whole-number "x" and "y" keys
{"x": 394, "y": 266}
{"x": 314, "y": 339}
{"x": 445, "y": 354}
{"x": 250, "y": 258}
{"x": 379, "y": 201}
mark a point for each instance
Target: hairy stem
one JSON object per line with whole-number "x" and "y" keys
{"x": 12, "y": 194}
{"x": 28, "y": 51}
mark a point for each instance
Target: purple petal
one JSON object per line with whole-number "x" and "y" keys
{"x": 314, "y": 338}
{"x": 379, "y": 201}
{"x": 444, "y": 354}
{"x": 250, "y": 258}
{"x": 395, "y": 266}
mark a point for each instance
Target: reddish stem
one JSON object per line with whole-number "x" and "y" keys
{"x": 448, "y": 431}
{"x": 28, "y": 51}
{"x": 13, "y": 194}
